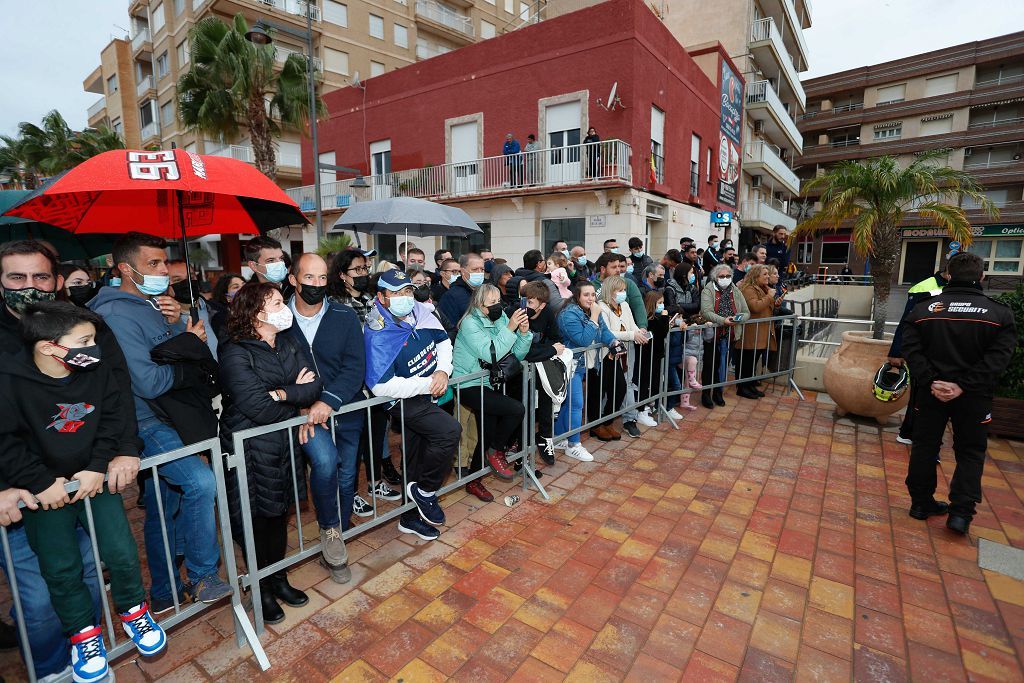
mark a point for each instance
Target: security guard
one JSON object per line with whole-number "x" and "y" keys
{"x": 957, "y": 344}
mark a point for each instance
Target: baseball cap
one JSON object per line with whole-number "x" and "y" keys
{"x": 394, "y": 280}
{"x": 368, "y": 253}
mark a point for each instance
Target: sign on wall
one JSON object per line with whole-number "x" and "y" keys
{"x": 1016, "y": 230}
{"x": 729, "y": 136}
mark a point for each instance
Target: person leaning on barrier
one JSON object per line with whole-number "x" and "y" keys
{"x": 331, "y": 340}
{"x": 647, "y": 369}
{"x": 61, "y": 369}
{"x": 682, "y": 301}
{"x": 609, "y": 385}
{"x": 266, "y": 378}
{"x": 720, "y": 303}
{"x": 409, "y": 356}
{"x": 455, "y": 302}
{"x": 486, "y": 335}
{"x": 958, "y": 345}
{"x": 758, "y": 339}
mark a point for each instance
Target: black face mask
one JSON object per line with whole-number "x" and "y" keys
{"x": 312, "y": 294}
{"x": 80, "y": 359}
{"x": 659, "y": 283}
{"x": 494, "y": 312}
{"x": 422, "y": 293}
{"x": 80, "y": 295}
{"x": 360, "y": 283}
{"x": 181, "y": 291}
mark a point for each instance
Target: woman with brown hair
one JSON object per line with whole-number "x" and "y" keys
{"x": 758, "y": 338}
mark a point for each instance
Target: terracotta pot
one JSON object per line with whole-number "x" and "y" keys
{"x": 850, "y": 374}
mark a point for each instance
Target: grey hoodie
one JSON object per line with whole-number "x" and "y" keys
{"x": 138, "y": 327}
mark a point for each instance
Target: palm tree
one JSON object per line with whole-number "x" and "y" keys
{"x": 232, "y": 85}
{"x": 13, "y": 162}
{"x": 877, "y": 195}
{"x": 52, "y": 147}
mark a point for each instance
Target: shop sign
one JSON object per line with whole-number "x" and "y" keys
{"x": 1016, "y": 230}
{"x": 730, "y": 126}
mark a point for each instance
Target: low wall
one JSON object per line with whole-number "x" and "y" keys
{"x": 854, "y": 300}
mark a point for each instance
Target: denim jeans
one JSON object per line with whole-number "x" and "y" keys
{"x": 188, "y": 492}
{"x": 333, "y": 468}
{"x": 46, "y": 638}
{"x": 722, "y": 360}
{"x": 571, "y": 414}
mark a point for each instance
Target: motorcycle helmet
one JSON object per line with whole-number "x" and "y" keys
{"x": 891, "y": 382}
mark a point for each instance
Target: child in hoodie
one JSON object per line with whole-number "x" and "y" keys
{"x": 59, "y": 422}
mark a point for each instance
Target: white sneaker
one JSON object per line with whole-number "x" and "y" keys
{"x": 54, "y": 677}
{"x": 674, "y": 414}
{"x": 905, "y": 441}
{"x": 562, "y": 445}
{"x": 579, "y": 452}
{"x": 645, "y": 419}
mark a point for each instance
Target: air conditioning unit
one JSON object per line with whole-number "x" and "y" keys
{"x": 968, "y": 151}
{"x": 755, "y": 181}
{"x": 758, "y": 126}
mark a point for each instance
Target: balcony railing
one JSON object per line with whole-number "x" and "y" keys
{"x": 151, "y": 129}
{"x": 833, "y": 144}
{"x": 576, "y": 165}
{"x": 992, "y": 124}
{"x": 765, "y": 30}
{"x": 999, "y": 80}
{"x": 145, "y": 84}
{"x": 760, "y": 152}
{"x": 762, "y": 92}
{"x": 446, "y": 17}
{"x": 140, "y": 39}
{"x": 97, "y": 106}
{"x": 834, "y": 110}
{"x": 428, "y": 51}
{"x": 245, "y": 153}
{"x": 296, "y": 7}
{"x": 773, "y": 213}
{"x": 282, "y": 53}
{"x": 972, "y": 164}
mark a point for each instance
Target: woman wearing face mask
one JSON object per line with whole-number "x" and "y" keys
{"x": 758, "y": 338}
{"x": 264, "y": 379}
{"x": 421, "y": 281}
{"x": 682, "y": 298}
{"x": 486, "y": 334}
{"x": 79, "y": 287}
{"x": 224, "y": 292}
{"x": 348, "y": 282}
{"x": 608, "y": 384}
{"x": 720, "y": 302}
{"x": 648, "y": 367}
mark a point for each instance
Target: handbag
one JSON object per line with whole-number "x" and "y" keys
{"x": 502, "y": 370}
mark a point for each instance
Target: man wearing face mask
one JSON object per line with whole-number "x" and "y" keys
{"x": 409, "y": 356}
{"x": 534, "y": 268}
{"x": 640, "y": 259}
{"x": 740, "y": 271}
{"x": 142, "y": 317}
{"x": 440, "y": 256}
{"x": 455, "y": 301}
{"x": 265, "y": 259}
{"x": 178, "y": 274}
{"x": 448, "y": 272}
{"x": 488, "y": 256}
{"x": 583, "y": 268}
{"x": 332, "y": 340}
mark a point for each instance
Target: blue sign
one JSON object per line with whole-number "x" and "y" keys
{"x": 721, "y": 217}
{"x": 730, "y": 129}
{"x": 954, "y": 246}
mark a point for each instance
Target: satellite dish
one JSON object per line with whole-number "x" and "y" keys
{"x": 613, "y": 99}
{"x": 611, "y": 95}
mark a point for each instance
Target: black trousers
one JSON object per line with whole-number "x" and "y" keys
{"x": 543, "y": 419}
{"x": 431, "y": 438}
{"x": 970, "y": 415}
{"x": 907, "y": 427}
{"x": 501, "y": 422}
{"x": 605, "y": 386}
{"x": 270, "y": 536}
{"x": 375, "y": 432}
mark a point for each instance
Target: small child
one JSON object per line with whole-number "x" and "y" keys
{"x": 57, "y": 423}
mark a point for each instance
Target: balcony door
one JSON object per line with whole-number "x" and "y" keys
{"x": 380, "y": 168}
{"x": 562, "y": 122}
{"x": 465, "y": 158}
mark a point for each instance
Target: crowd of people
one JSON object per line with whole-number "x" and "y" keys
{"x": 439, "y": 351}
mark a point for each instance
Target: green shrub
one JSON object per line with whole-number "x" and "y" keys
{"x": 1012, "y": 383}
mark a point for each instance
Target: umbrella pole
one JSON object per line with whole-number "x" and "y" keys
{"x": 194, "y": 313}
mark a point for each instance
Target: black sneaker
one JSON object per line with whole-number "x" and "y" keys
{"x": 361, "y": 508}
{"x": 430, "y": 510}
{"x": 8, "y": 636}
{"x": 383, "y": 491}
{"x": 546, "y": 450}
{"x": 958, "y": 524}
{"x": 928, "y": 509}
{"x": 416, "y": 526}
{"x": 631, "y": 429}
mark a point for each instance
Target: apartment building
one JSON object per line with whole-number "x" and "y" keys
{"x": 967, "y": 100}
{"x": 764, "y": 39}
{"x": 436, "y": 131}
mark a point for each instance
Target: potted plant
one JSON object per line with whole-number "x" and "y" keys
{"x": 874, "y": 197}
{"x": 1008, "y": 404}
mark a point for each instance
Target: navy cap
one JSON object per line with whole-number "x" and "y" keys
{"x": 394, "y": 280}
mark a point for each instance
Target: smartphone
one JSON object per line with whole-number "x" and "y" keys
{"x": 738, "y": 317}
{"x": 522, "y": 303}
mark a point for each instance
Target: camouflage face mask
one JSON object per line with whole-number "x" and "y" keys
{"x": 20, "y": 299}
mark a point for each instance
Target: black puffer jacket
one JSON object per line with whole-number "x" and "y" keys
{"x": 249, "y": 370}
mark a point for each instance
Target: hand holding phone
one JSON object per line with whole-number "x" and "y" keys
{"x": 738, "y": 318}
{"x": 522, "y": 303}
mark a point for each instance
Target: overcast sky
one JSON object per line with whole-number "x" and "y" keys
{"x": 52, "y": 46}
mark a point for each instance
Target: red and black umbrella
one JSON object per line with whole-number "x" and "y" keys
{"x": 172, "y": 193}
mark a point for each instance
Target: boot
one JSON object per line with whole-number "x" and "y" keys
{"x": 717, "y": 397}
{"x": 602, "y": 433}
{"x": 744, "y": 391}
{"x": 705, "y": 399}
{"x": 390, "y": 474}
{"x": 272, "y": 612}
{"x": 691, "y": 380}
{"x": 685, "y": 402}
{"x": 285, "y": 592}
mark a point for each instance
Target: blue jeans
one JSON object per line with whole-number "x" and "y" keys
{"x": 46, "y": 638}
{"x": 570, "y": 416}
{"x": 333, "y": 468}
{"x": 722, "y": 360}
{"x": 188, "y": 492}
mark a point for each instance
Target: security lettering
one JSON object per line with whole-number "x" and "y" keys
{"x": 955, "y": 307}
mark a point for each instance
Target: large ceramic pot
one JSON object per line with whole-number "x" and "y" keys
{"x": 850, "y": 374}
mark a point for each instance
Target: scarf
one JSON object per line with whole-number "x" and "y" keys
{"x": 385, "y": 336}
{"x": 725, "y": 306}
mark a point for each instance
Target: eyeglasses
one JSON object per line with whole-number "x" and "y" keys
{"x": 361, "y": 270}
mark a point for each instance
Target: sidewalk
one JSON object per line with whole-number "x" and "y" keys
{"x": 762, "y": 541}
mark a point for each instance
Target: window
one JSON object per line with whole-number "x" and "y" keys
{"x": 658, "y": 143}
{"x": 380, "y": 157}
{"x": 892, "y": 93}
{"x": 336, "y": 61}
{"x": 510, "y": 6}
{"x": 570, "y": 230}
{"x": 162, "y": 67}
{"x": 112, "y": 85}
{"x": 835, "y": 252}
{"x": 336, "y": 13}
{"x": 401, "y": 36}
{"x": 694, "y": 164}
{"x": 937, "y": 126}
{"x": 158, "y": 17}
{"x": 146, "y": 113}
{"x": 167, "y": 113}
{"x": 487, "y": 29}
{"x": 1002, "y": 256}
{"x": 118, "y": 127}
{"x": 179, "y": 7}
{"x": 707, "y": 167}
{"x": 804, "y": 252}
{"x": 376, "y": 26}
{"x": 376, "y": 69}
{"x": 940, "y": 85}
{"x": 475, "y": 243}
{"x": 891, "y": 133}
{"x": 182, "y": 52}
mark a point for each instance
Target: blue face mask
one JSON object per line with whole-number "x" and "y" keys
{"x": 620, "y": 297}
{"x": 692, "y": 278}
{"x": 452, "y": 278}
{"x": 476, "y": 279}
{"x": 153, "y": 285}
{"x": 582, "y": 260}
{"x": 566, "y": 253}
{"x": 276, "y": 271}
{"x": 115, "y": 282}
{"x": 638, "y": 254}
{"x": 660, "y": 308}
{"x": 629, "y": 269}
{"x": 401, "y": 306}
{"x": 613, "y": 250}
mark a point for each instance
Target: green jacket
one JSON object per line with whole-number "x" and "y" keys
{"x": 473, "y": 344}
{"x": 634, "y": 298}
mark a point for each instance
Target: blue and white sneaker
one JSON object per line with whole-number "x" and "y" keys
{"x": 430, "y": 509}
{"x": 88, "y": 656}
{"x": 143, "y": 630}
{"x": 415, "y": 525}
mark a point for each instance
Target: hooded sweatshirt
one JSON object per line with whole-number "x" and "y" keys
{"x": 138, "y": 327}
{"x": 54, "y": 427}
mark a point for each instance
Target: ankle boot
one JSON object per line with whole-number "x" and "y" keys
{"x": 718, "y": 397}
{"x": 685, "y": 402}
{"x": 285, "y": 592}
{"x": 691, "y": 380}
{"x": 705, "y": 399}
{"x": 272, "y": 612}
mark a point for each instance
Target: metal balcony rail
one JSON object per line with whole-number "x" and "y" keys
{"x": 1000, "y": 122}
{"x": 771, "y": 156}
{"x": 659, "y": 167}
{"x": 428, "y": 51}
{"x": 442, "y": 15}
{"x": 151, "y": 129}
{"x": 144, "y": 84}
{"x": 296, "y": 7}
{"x": 990, "y": 163}
{"x": 998, "y": 80}
{"x": 282, "y": 53}
{"x": 97, "y": 106}
{"x": 245, "y": 153}
{"x": 141, "y": 38}
{"x": 834, "y": 110}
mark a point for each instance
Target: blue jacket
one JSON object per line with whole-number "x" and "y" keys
{"x": 579, "y": 330}
{"x": 510, "y": 147}
{"x": 778, "y": 251}
{"x": 336, "y": 354}
{"x": 138, "y": 327}
{"x": 454, "y": 304}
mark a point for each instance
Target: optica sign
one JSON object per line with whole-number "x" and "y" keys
{"x": 1016, "y": 230}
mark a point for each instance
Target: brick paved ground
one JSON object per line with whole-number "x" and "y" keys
{"x": 763, "y": 541}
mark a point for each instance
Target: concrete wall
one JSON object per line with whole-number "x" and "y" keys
{"x": 854, "y": 300}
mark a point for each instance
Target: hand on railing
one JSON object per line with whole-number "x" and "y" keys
{"x": 11, "y": 502}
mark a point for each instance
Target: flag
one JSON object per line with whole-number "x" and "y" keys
{"x": 654, "y": 172}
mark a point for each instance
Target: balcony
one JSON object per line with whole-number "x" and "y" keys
{"x": 768, "y": 49}
{"x": 245, "y": 153}
{"x": 763, "y": 104}
{"x": 1016, "y": 120}
{"x": 145, "y": 85}
{"x": 763, "y": 157}
{"x": 765, "y": 215}
{"x": 458, "y": 24}
{"x": 97, "y": 108}
{"x": 792, "y": 32}
{"x": 428, "y": 51}
{"x": 296, "y": 7}
{"x": 150, "y": 130}
{"x": 587, "y": 165}
{"x": 282, "y": 53}
{"x": 141, "y": 42}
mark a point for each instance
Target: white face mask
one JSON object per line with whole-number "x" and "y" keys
{"x": 280, "y": 320}
{"x": 724, "y": 282}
